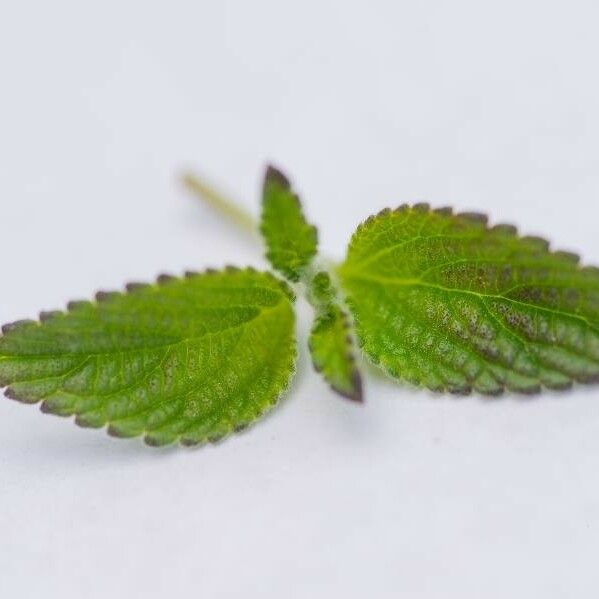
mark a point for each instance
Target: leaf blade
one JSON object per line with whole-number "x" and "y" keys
{"x": 332, "y": 350}
{"x": 448, "y": 302}
{"x": 187, "y": 359}
{"x": 291, "y": 242}
{"x": 331, "y": 342}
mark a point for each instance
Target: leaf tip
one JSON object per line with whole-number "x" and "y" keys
{"x": 356, "y": 393}
{"x": 274, "y": 175}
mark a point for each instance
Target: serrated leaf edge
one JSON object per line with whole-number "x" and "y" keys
{"x": 506, "y": 228}
{"x": 132, "y": 288}
{"x": 473, "y": 217}
{"x": 273, "y": 174}
{"x": 357, "y": 395}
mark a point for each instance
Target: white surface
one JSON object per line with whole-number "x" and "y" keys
{"x": 491, "y": 106}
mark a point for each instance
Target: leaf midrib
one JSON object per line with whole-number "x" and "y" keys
{"x": 61, "y": 354}
{"x": 413, "y": 282}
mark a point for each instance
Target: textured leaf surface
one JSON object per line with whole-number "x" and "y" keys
{"x": 331, "y": 347}
{"x": 331, "y": 343}
{"x": 291, "y": 242}
{"x": 448, "y": 302}
{"x": 187, "y": 359}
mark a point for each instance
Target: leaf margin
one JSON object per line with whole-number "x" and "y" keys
{"x": 538, "y": 242}
{"x": 132, "y": 288}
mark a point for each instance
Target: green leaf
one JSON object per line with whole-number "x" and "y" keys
{"x": 445, "y": 301}
{"x": 332, "y": 350}
{"x": 331, "y": 342}
{"x": 188, "y": 359}
{"x": 291, "y": 242}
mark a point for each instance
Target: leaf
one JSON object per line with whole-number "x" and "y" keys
{"x": 291, "y": 242}
{"x": 332, "y": 350}
{"x": 445, "y": 301}
{"x": 331, "y": 343}
{"x": 188, "y": 359}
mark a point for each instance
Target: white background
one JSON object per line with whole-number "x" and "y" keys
{"x": 491, "y": 106}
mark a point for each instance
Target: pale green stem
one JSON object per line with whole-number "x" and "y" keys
{"x": 218, "y": 202}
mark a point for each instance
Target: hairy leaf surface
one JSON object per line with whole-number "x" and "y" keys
{"x": 291, "y": 242}
{"x": 332, "y": 351}
{"x": 331, "y": 343}
{"x": 187, "y": 359}
{"x": 448, "y": 302}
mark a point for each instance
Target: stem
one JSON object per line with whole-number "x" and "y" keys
{"x": 234, "y": 213}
